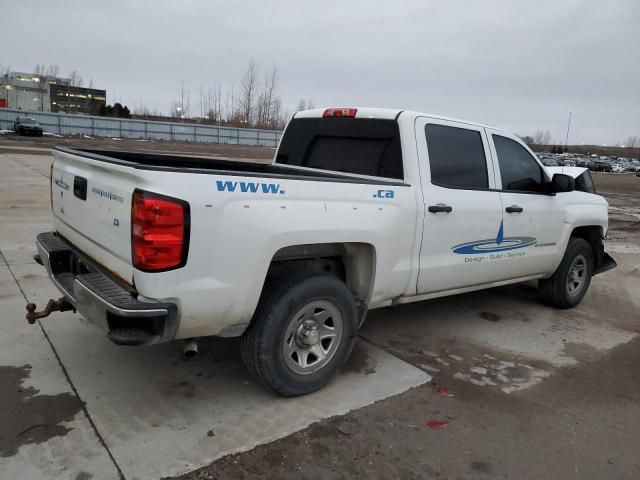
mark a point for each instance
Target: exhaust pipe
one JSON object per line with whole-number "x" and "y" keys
{"x": 190, "y": 349}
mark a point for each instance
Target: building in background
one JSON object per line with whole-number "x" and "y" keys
{"x": 71, "y": 99}
{"x": 31, "y": 92}
{"x": 26, "y": 91}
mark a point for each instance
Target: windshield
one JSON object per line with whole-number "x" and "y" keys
{"x": 27, "y": 120}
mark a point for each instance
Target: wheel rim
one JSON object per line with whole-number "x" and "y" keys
{"x": 312, "y": 337}
{"x": 577, "y": 276}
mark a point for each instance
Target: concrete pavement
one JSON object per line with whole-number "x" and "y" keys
{"x": 81, "y": 407}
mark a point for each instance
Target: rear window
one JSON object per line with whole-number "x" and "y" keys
{"x": 364, "y": 146}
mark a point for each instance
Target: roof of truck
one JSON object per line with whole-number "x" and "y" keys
{"x": 385, "y": 113}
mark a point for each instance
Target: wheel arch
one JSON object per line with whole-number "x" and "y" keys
{"x": 593, "y": 235}
{"x": 353, "y": 262}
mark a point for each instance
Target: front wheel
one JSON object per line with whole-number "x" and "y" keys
{"x": 302, "y": 332}
{"x": 570, "y": 282}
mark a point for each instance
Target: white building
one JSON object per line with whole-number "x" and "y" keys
{"x": 28, "y": 91}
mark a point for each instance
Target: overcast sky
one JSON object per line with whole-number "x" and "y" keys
{"x": 518, "y": 64}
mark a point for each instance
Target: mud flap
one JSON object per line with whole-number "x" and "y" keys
{"x": 606, "y": 263}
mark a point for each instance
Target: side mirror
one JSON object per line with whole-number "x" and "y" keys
{"x": 561, "y": 183}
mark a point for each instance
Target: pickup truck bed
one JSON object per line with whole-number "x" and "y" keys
{"x": 215, "y": 166}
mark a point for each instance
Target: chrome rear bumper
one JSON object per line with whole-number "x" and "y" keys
{"x": 103, "y": 301}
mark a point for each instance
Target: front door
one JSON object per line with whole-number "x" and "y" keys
{"x": 532, "y": 218}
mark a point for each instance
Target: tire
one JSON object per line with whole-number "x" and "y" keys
{"x": 295, "y": 310}
{"x": 570, "y": 282}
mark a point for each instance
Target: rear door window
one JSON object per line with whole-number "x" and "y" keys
{"x": 363, "y": 146}
{"x": 456, "y": 157}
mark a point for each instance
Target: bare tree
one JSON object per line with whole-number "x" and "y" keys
{"x": 204, "y": 101}
{"x": 52, "y": 72}
{"x": 633, "y": 144}
{"x": 279, "y": 117}
{"x": 45, "y": 75}
{"x": 264, "y": 114}
{"x": 247, "y": 98}
{"x": 302, "y": 105}
{"x": 215, "y": 104}
{"x": 39, "y": 71}
{"x": 541, "y": 137}
{"x": 310, "y": 105}
{"x": 76, "y": 79}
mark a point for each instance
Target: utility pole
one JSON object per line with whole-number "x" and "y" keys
{"x": 566, "y": 140}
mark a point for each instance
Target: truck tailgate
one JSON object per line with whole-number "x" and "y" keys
{"x": 91, "y": 203}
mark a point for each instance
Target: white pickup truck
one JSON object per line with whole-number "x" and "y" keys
{"x": 361, "y": 208}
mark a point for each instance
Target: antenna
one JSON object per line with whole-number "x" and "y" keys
{"x": 566, "y": 140}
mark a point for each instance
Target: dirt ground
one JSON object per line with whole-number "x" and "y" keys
{"x": 581, "y": 422}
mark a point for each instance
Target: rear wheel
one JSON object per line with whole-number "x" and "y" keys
{"x": 570, "y": 282}
{"x": 301, "y": 333}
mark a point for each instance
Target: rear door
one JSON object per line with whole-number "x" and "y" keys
{"x": 533, "y": 220}
{"x": 463, "y": 213}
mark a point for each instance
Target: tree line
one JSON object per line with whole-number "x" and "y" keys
{"x": 541, "y": 141}
{"x": 255, "y": 103}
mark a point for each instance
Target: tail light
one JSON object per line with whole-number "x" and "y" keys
{"x": 159, "y": 232}
{"x": 340, "y": 112}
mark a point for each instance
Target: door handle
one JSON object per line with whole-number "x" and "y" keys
{"x": 514, "y": 209}
{"x": 441, "y": 207}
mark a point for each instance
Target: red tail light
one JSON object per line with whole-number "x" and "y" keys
{"x": 159, "y": 232}
{"x": 340, "y": 112}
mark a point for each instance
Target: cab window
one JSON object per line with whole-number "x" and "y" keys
{"x": 519, "y": 171}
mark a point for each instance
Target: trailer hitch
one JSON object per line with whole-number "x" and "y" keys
{"x": 60, "y": 305}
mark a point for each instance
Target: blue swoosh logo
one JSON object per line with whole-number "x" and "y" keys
{"x": 492, "y": 245}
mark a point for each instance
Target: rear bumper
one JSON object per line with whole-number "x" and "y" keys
{"x": 101, "y": 300}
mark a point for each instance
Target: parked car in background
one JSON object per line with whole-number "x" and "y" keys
{"x": 27, "y": 126}
{"x": 617, "y": 168}
{"x": 583, "y": 162}
{"x": 549, "y": 162}
{"x": 600, "y": 166}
